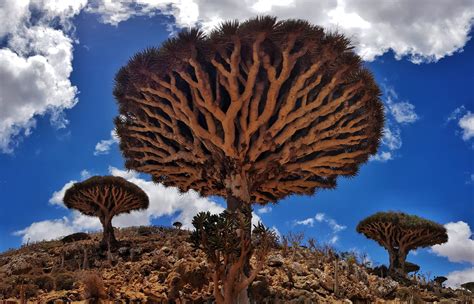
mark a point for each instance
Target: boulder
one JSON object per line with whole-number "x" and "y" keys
{"x": 75, "y": 237}
{"x": 275, "y": 261}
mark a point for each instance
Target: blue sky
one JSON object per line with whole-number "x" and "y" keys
{"x": 424, "y": 166}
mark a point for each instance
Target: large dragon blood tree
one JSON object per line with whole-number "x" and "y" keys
{"x": 399, "y": 233}
{"x": 252, "y": 112}
{"x": 106, "y": 197}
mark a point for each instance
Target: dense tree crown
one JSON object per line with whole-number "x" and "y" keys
{"x": 401, "y": 230}
{"x": 399, "y": 233}
{"x": 105, "y": 197}
{"x": 262, "y": 109}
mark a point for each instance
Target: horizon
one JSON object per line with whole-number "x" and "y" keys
{"x": 57, "y": 69}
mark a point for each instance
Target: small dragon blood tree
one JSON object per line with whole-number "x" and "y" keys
{"x": 106, "y": 197}
{"x": 218, "y": 236}
{"x": 252, "y": 112}
{"x": 399, "y": 233}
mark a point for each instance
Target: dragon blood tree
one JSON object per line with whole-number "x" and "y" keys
{"x": 106, "y": 197}
{"x": 252, "y": 112}
{"x": 399, "y": 233}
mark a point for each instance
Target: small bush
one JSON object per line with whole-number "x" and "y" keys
{"x": 144, "y": 231}
{"x": 45, "y": 282}
{"x": 64, "y": 281}
{"x": 93, "y": 286}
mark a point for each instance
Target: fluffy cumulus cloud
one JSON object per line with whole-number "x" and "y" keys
{"x": 36, "y": 59}
{"x": 324, "y": 219}
{"x": 53, "y": 229}
{"x": 458, "y": 277}
{"x": 459, "y": 248}
{"x": 425, "y": 32}
{"x": 35, "y": 65}
{"x": 164, "y": 201}
{"x": 460, "y": 245}
{"x": 103, "y": 146}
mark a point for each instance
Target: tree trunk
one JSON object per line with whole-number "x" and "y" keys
{"x": 393, "y": 256}
{"x": 402, "y": 256}
{"x": 108, "y": 236}
{"x": 233, "y": 205}
{"x": 397, "y": 262}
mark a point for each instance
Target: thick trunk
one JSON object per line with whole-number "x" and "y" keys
{"x": 233, "y": 205}
{"x": 108, "y": 236}
{"x": 397, "y": 262}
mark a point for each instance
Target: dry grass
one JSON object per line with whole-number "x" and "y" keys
{"x": 94, "y": 289}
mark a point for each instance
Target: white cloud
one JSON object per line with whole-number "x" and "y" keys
{"x": 398, "y": 114}
{"x": 383, "y": 156}
{"x": 466, "y": 123}
{"x": 333, "y": 240}
{"x": 456, "y": 278}
{"x": 460, "y": 245}
{"x": 46, "y": 230}
{"x": 54, "y": 229}
{"x": 35, "y": 65}
{"x": 306, "y": 222}
{"x": 57, "y": 197}
{"x": 424, "y": 33}
{"x": 185, "y": 12}
{"x": 456, "y": 114}
{"x": 404, "y": 112}
{"x": 265, "y": 209}
{"x": 323, "y": 218}
{"x": 85, "y": 174}
{"x": 103, "y": 146}
{"x": 36, "y": 61}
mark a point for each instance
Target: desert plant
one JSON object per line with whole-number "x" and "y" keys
{"x": 252, "y": 112}
{"x": 94, "y": 289}
{"x": 312, "y": 244}
{"x": 44, "y": 282}
{"x": 440, "y": 280}
{"x": 468, "y": 286}
{"x": 178, "y": 225}
{"x": 222, "y": 237}
{"x": 64, "y": 281}
{"x": 399, "y": 233}
{"x": 106, "y": 197}
{"x": 411, "y": 267}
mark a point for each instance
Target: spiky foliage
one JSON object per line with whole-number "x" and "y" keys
{"x": 178, "y": 225}
{"x": 256, "y": 110}
{"x": 440, "y": 280}
{"x": 411, "y": 267}
{"x": 105, "y": 197}
{"x": 468, "y": 286}
{"x": 224, "y": 240}
{"x": 399, "y": 233}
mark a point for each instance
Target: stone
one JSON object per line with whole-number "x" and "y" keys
{"x": 166, "y": 250}
{"x": 275, "y": 261}
{"x": 75, "y": 237}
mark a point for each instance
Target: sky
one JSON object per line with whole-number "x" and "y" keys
{"x": 58, "y": 60}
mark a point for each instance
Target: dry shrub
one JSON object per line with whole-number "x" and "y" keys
{"x": 93, "y": 286}
{"x": 64, "y": 281}
{"x": 44, "y": 282}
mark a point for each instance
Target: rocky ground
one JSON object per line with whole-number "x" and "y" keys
{"x": 158, "y": 265}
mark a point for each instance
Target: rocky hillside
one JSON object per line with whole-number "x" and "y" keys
{"x": 158, "y": 265}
